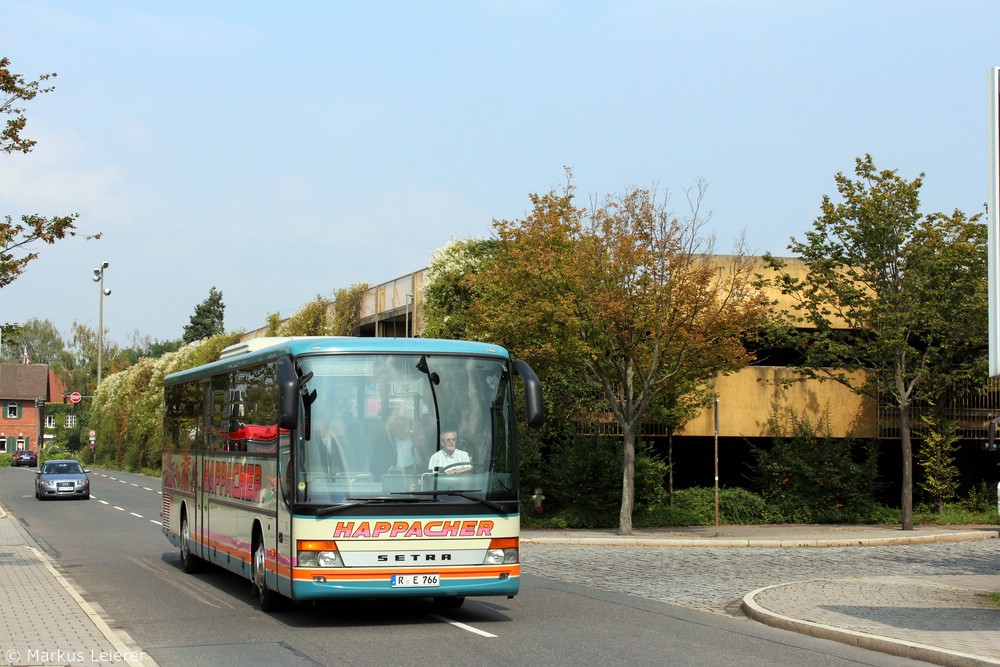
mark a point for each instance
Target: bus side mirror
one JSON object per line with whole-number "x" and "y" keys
{"x": 534, "y": 409}
{"x": 288, "y": 394}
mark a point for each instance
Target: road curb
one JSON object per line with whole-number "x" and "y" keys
{"x": 905, "y": 649}
{"x": 728, "y": 542}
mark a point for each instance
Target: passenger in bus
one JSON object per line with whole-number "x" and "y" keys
{"x": 403, "y": 452}
{"x": 448, "y": 455}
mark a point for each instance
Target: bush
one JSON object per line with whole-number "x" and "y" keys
{"x": 584, "y": 483}
{"x": 982, "y": 498}
{"x": 696, "y": 507}
{"x": 6, "y": 460}
{"x": 811, "y": 479}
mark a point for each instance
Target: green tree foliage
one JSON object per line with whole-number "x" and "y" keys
{"x": 18, "y": 236}
{"x": 127, "y": 411}
{"x": 39, "y": 338}
{"x": 347, "y": 310}
{"x": 208, "y": 318}
{"x": 144, "y": 346}
{"x": 448, "y": 291}
{"x": 309, "y": 321}
{"x": 628, "y": 295}
{"x": 812, "y": 478}
{"x": 582, "y": 481}
{"x": 273, "y": 322}
{"x": 936, "y": 456}
{"x": 77, "y": 364}
{"x": 953, "y": 291}
{"x": 879, "y": 295}
{"x": 321, "y": 317}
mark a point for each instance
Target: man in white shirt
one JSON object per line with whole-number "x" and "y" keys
{"x": 449, "y": 455}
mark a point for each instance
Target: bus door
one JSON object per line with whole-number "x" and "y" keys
{"x": 285, "y": 549}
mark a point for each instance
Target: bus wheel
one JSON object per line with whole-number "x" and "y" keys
{"x": 189, "y": 562}
{"x": 452, "y": 602}
{"x": 267, "y": 598}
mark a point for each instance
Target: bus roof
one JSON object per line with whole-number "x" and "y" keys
{"x": 259, "y": 349}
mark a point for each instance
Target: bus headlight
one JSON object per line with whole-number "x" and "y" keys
{"x": 313, "y": 553}
{"x": 502, "y": 551}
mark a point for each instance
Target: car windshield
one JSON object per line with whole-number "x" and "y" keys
{"x": 62, "y": 468}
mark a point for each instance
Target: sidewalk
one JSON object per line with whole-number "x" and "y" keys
{"x": 942, "y": 620}
{"x": 44, "y": 620}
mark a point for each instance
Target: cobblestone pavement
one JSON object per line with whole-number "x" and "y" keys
{"x": 715, "y": 579}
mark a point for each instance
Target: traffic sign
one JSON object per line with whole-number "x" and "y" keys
{"x": 75, "y": 397}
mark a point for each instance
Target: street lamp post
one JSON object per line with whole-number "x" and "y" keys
{"x": 99, "y": 278}
{"x": 409, "y": 300}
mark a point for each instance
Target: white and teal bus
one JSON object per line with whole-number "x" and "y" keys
{"x": 305, "y": 464}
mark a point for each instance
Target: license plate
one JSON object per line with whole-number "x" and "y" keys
{"x": 63, "y": 486}
{"x": 415, "y": 580}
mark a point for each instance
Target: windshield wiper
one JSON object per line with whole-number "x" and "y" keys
{"x": 462, "y": 493}
{"x": 360, "y": 502}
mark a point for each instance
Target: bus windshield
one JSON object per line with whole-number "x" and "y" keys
{"x": 405, "y": 427}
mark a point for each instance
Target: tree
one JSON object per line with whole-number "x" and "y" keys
{"x": 76, "y": 363}
{"x": 142, "y": 346}
{"x": 207, "y": 320}
{"x": 936, "y": 456}
{"x": 39, "y": 338}
{"x": 680, "y": 403}
{"x": 954, "y": 291}
{"x": 346, "y": 320}
{"x": 309, "y": 321}
{"x": 629, "y": 293}
{"x": 16, "y": 237}
{"x": 879, "y": 297}
{"x": 448, "y": 290}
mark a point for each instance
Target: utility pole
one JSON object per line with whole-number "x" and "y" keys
{"x": 99, "y": 278}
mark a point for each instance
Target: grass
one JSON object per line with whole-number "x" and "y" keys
{"x": 992, "y": 599}
{"x": 955, "y": 514}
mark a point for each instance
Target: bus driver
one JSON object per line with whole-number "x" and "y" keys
{"x": 449, "y": 455}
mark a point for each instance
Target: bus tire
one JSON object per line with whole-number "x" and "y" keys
{"x": 268, "y": 599}
{"x": 189, "y": 562}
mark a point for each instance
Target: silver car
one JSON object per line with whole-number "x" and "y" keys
{"x": 62, "y": 478}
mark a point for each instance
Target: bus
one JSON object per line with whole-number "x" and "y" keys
{"x": 336, "y": 467}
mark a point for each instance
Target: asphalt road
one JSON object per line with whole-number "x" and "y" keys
{"x": 578, "y": 605}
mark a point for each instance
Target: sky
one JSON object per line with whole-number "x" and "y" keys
{"x": 283, "y": 151}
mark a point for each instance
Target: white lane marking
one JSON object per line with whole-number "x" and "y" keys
{"x": 462, "y": 626}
